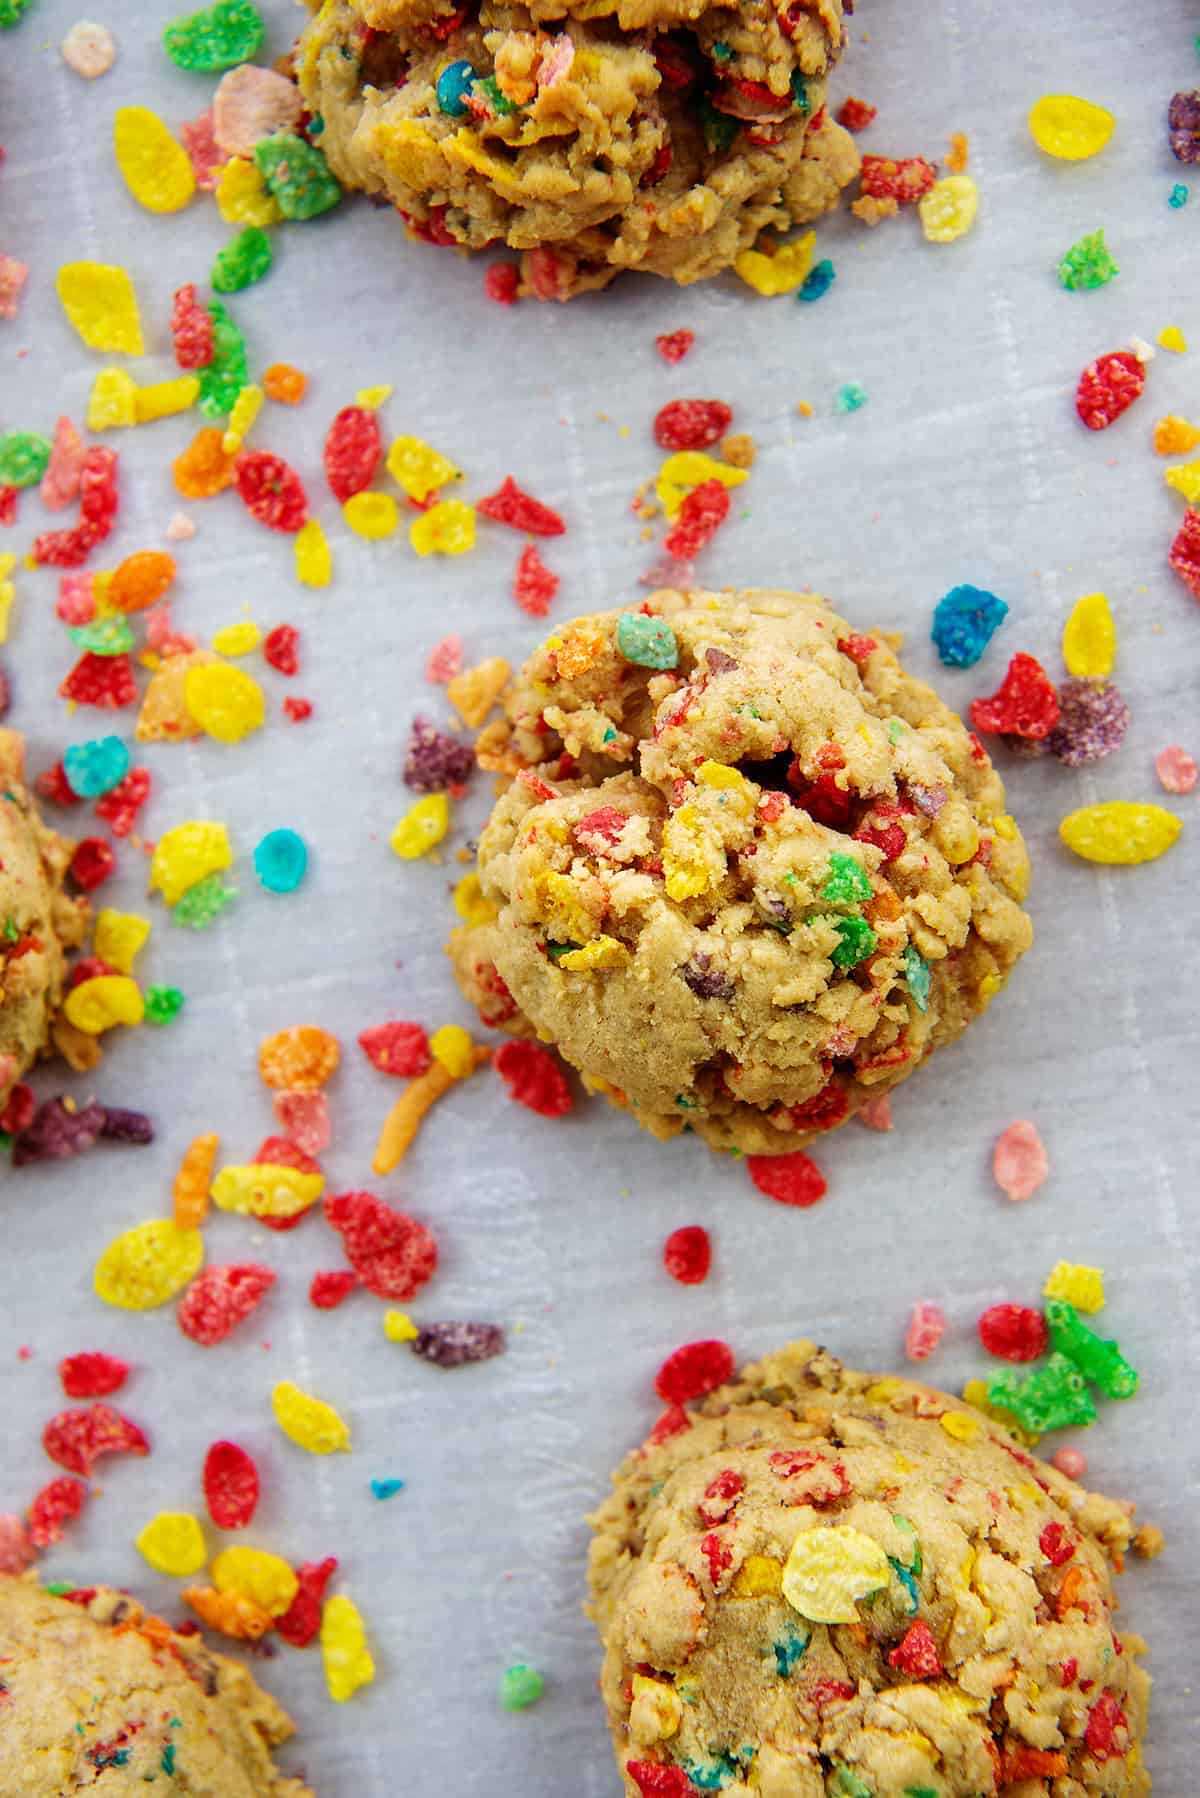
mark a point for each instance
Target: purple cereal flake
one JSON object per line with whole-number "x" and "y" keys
{"x": 58, "y": 1130}
{"x": 121, "y": 1125}
{"x": 706, "y": 982}
{"x": 929, "y": 800}
{"x": 1092, "y": 721}
{"x": 455, "y": 1344}
{"x": 435, "y": 760}
{"x": 719, "y": 662}
{"x": 1183, "y": 123}
{"x": 5, "y": 693}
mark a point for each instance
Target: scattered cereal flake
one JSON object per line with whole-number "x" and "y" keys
{"x": 850, "y": 397}
{"x": 1176, "y": 769}
{"x": 829, "y": 1570}
{"x": 190, "y": 1191}
{"x": 687, "y": 1255}
{"x": 314, "y": 562}
{"x": 422, "y": 827}
{"x": 1185, "y": 479}
{"x": 926, "y": 1327}
{"x": 264, "y": 1190}
{"x": 964, "y": 622}
{"x": 404, "y": 1119}
{"x": 89, "y": 49}
{"x": 1172, "y": 338}
{"x": 204, "y": 153}
{"x": 855, "y": 114}
{"x": 99, "y": 301}
{"x": 220, "y": 1298}
{"x": 1183, "y": 126}
{"x": 476, "y": 690}
{"x": 420, "y": 469}
{"x": 1088, "y": 263}
{"x": 1119, "y": 832}
{"x": 902, "y": 180}
{"x": 446, "y": 529}
{"x": 301, "y": 1059}
{"x": 458, "y": 1344}
{"x": 1069, "y": 128}
{"x": 218, "y": 37}
{"x": 1081, "y": 1285}
{"x": 246, "y": 408}
{"x": 147, "y": 1265}
{"x": 876, "y": 1114}
{"x": 1089, "y": 643}
{"x": 1070, "y": 1461}
{"x": 959, "y": 153}
{"x": 1019, "y": 1161}
{"x": 1097, "y": 1359}
{"x": 243, "y": 199}
{"x": 1178, "y": 196}
{"x": 304, "y": 1119}
{"x": 788, "y": 1179}
{"x": 534, "y": 585}
{"x": 347, "y": 1659}
{"x": 227, "y": 703}
{"x": 816, "y": 284}
{"x": 118, "y": 938}
{"x": 297, "y": 175}
{"x": 372, "y": 515}
{"x": 284, "y": 384}
{"x": 188, "y": 854}
{"x": 163, "y": 399}
{"x": 673, "y": 346}
{"x": 265, "y": 1578}
{"x": 308, "y": 1422}
{"x": 1013, "y": 1332}
{"x": 237, "y": 639}
{"x": 1092, "y": 721}
{"x": 949, "y": 209}
{"x": 1184, "y": 555}
{"x": 1108, "y": 387}
{"x": 281, "y": 861}
{"x": 92, "y": 1375}
{"x": 1025, "y": 705}
{"x": 251, "y": 103}
{"x": 99, "y": 1004}
{"x": 681, "y": 473}
{"x": 154, "y": 165}
{"x": 173, "y": 1543}
{"x": 232, "y": 1613}
{"x": 783, "y": 272}
{"x": 398, "y": 1326}
{"x": 13, "y": 276}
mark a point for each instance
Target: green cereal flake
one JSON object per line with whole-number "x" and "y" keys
{"x": 847, "y": 882}
{"x": 1095, "y": 1357}
{"x": 203, "y": 903}
{"x": 1051, "y": 1397}
{"x": 520, "y": 1686}
{"x": 647, "y": 642}
{"x": 163, "y": 1004}
{"x": 227, "y": 373}
{"x": 858, "y": 941}
{"x": 24, "y": 456}
{"x": 1087, "y": 263}
{"x": 244, "y": 260}
{"x": 220, "y": 37}
{"x": 11, "y": 11}
{"x": 916, "y": 973}
{"x": 297, "y": 174}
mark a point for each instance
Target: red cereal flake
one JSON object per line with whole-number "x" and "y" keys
{"x": 788, "y": 1179}
{"x": 855, "y": 114}
{"x": 926, "y": 1327}
{"x": 98, "y": 505}
{"x": 297, "y": 710}
{"x": 103, "y": 681}
{"x": 391, "y": 1252}
{"x": 16, "y": 1116}
{"x": 353, "y": 448}
{"x": 120, "y": 807}
{"x": 903, "y": 179}
{"x": 655, "y": 1779}
{"x": 1025, "y": 705}
{"x": 858, "y": 648}
{"x": 1019, "y": 1762}
{"x": 396, "y": 1048}
{"x": 534, "y": 585}
{"x": 92, "y": 1375}
{"x": 1107, "y": 387}
{"x": 1056, "y": 1544}
{"x": 56, "y": 1505}
{"x": 1184, "y": 555}
{"x": 691, "y": 424}
{"x": 510, "y": 505}
{"x": 301, "y": 1621}
{"x": 204, "y": 152}
{"x": 90, "y": 967}
{"x": 231, "y": 1486}
{"x": 281, "y": 648}
{"x": 9, "y": 497}
{"x": 501, "y": 283}
{"x": 220, "y": 1298}
{"x": 827, "y": 1108}
{"x": 77, "y": 1439}
{"x": 1176, "y": 769}
{"x": 331, "y": 1287}
{"x": 445, "y": 659}
{"x": 672, "y": 1422}
{"x": 1013, "y": 1332}
{"x": 693, "y": 1370}
{"x": 718, "y": 1554}
{"x": 304, "y": 1116}
{"x": 673, "y": 346}
{"x": 16, "y": 1550}
{"x": 271, "y": 490}
{"x": 917, "y": 1652}
{"x": 1107, "y": 1732}
{"x": 192, "y": 329}
{"x": 533, "y": 1078}
{"x": 92, "y": 864}
{"x": 824, "y": 1692}
{"x": 720, "y": 1497}
{"x": 701, "y": 516}
{"x": 687, "y": 1255}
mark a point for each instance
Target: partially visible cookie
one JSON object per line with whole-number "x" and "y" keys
{"x": 826, "y": 1583}
{"x": 38, "y": 921}
{"x": 97, "y": 1695}
{"x": 663, "y": 135}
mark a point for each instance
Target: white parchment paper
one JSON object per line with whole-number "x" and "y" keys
{"x": 967, "y": 464}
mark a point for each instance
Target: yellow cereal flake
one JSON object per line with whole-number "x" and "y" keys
{"x": 246, "y": 408}
{"x": 257, "y": 1575}
{"x": 959, "y": 1426}
{"x": 689, "y": 859}
{"x": 759, "y": 1576}
{"x": 237, "y": 639}
{"x": 119, "y": 937}
{"x": 681, "y": 473}
{"x": 829, "y": 1570}
{"x": 1072, "y": 129}
{"x": 949, "y": 209}
{"x": 1120, "y": 832}
{"x": 96, "y": 1005}
{"x": 1089, "y": 643}
{"x": 657, "y": 1710}
{"x": 112, "y": 404}
{"x": 422, "y": 827}
{"x": 1185, "y": 479}
{"x": 100, "y": 302}
{"x": 371, "y": 398}
{"x": 188, "y": 854}
{"x": 173, "y": 1543}
{"x": 148, "y": 1265}
{"x": 447, "y": 529}
{"x": 260, "y": 1189}
{"x": 163, "y": 399}
{"x": 719, "y": 774}
{"x": 398, "y": 1326}
{"x": 155, "y": 166}
{"x": 419, "y": 468}
{"x": 308, "y": 1422}
{"x": 602, "y": 952}
{"x": 371, "y": 515}
{"x": 470, "y": 903}
{"x": 314, "y": 563}
{"x": 242, "y": 196}
{"x": 783, "y": 272}
{"x": 344, "y": 1651}
{"x": 227, "y": 703}
{"x": 475, "y": 691}
{"x": 453, "y": 1048}
{"x": 1081, "y": 1285}
{"x": 1172, "y": 338}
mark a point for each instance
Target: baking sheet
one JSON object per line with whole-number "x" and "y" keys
{"x": 967, "y": 464}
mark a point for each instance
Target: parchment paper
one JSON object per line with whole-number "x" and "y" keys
{"x": 967, "y": 464}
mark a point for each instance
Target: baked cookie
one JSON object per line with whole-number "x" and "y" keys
{"x": 97, "y": 1696}
{"x": 830, "y": 1583}
{"x": 38, "y": 922}
{"x": 750, "y": 873}
{"x": 594, "y": 135}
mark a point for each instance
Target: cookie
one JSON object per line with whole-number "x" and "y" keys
{"x": 663, "y": 135}
{"x": 38, "y": 922}
{"x": 750, "y": 873}
{"x": 830, "y": 1583}
{"x": 97, "y": 1693}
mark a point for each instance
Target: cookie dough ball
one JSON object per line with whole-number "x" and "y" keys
{"x": 38, "y": 922}
{"x": 830, "y": 1583}
{"x": 594, "y": 135}
{"x": 750, "y": 873}
{"x": 99, "y": 1696}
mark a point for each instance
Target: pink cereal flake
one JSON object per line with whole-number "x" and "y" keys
{"x": 926, "y": 1327}
{"x": 180, "y": 527}
{"x": 161, "y": 638}
{"x": 16, "y": 1550}
{"x": 60, "y": 483}
{"x": 445, "y": 660}
{"x": 876, "y": 1114}
{"x": 1019, "y": 1161}
{"x": 13, "y": 276}
{"x": 1071, "y": 1461}
{"x": 204, "y": 152}
{"x": 1176, "y": 769}
{"x": 304, "y": 1119}
{"x": 76, "y": 603}
{"x": 556, "y": 61}
{"x": 251, "y": 103}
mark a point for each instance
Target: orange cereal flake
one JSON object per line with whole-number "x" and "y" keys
{"x": 233, "y": 1613}
{"x": 140, "y": 580}
{"x": 299, "y": 1060}
{"x": 284, "y": 384}
{"x": 960, "y": 153}
{"x": 204, "y": 468}
{"x": 190, "y": 1193}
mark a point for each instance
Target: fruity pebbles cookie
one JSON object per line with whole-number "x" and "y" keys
{"x": 38, "y": 922}
{"x": 827, "y": 1583}
{"x": 750, "y": 873}
{"x": 98, "y": 1696}
{"x": 594, "y": 135}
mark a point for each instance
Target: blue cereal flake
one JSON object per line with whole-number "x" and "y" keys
{"x": 95, "y": 768}
{"x": 907, "y": 1579}
{"x": 1178, "y": 195}
{"x": 964, "y": 623}
{"x": 386, "y": 1488}
{"x": 850, "y": 398}
{"x": 789, "y": 1650}
{"x": 648, "y": 642}
{"x": 916, "y": 972}
{"x": 453, "y": 85}
{"x": 817, "y": 282}
{"x": 280, "y": 861}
